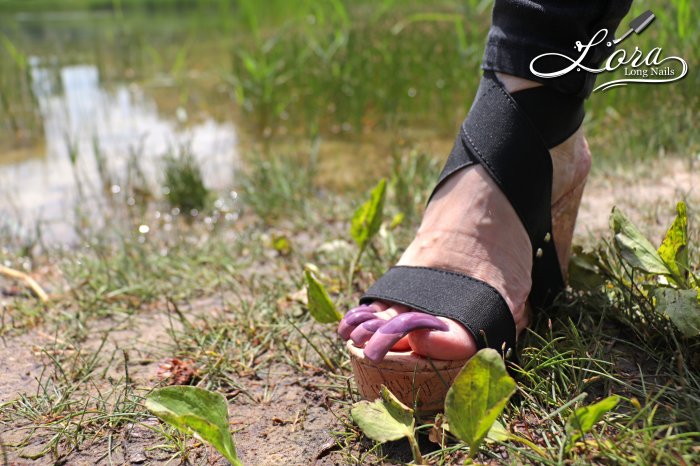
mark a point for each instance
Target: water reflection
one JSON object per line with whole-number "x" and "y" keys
{"x": 81, "y": 116}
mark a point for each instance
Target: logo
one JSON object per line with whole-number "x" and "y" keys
{"x": 638, "y": 67}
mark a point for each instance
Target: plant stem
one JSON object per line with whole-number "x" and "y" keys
{"x": 417, "y": 457}
{"x": 528, "y": 443}
{"x": 353, "y": 265}
{"x": 323, "y": 356}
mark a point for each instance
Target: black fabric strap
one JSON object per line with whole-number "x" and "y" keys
{"x": 474, "y": 303}
{"x": 509, "y": 136}
{"x": 555, "y": 115}
{"x": 500, "y": 134}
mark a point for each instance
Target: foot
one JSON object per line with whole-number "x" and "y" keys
{"x": 471, "y": 227}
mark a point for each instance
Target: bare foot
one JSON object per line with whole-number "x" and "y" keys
{"x": 471, "y": 227}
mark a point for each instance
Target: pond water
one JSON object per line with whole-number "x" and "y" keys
{"x": 39, "y": 180}
{"x": 81, "y": 87}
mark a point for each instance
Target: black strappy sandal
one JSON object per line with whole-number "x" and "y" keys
{"x": 499, "y": 124}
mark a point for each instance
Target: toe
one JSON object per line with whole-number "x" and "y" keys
{"x": 456, "y": 343}
{"x": 389, "y": 311}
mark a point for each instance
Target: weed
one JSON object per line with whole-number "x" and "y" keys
{"x": 413, "y": 176}
{"x": 184, "y": 184}
{"x": 282, "y": 186}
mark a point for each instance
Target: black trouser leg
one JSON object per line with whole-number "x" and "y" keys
{"x": 523, "y": 29}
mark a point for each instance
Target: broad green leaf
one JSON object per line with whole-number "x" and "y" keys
{"x": 384, "y": 419}
{"x": 634, "y": 248}
{"x": 583, "y": 419}
{"x": 682, "y": 307}
{"x": 368, "y": 217}
{"x": 196, "y": 411}
{"x": 477, "y": 396}
{"x": 674, "y": 248}
{"x": 321, "y": 307}
{"x": 584, "y": 273}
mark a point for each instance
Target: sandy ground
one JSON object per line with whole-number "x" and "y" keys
{"x": 647, "y": 194}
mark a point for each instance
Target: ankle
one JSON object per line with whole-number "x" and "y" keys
{"x": 571, "y": 159}
{"x": 515, "y": 83}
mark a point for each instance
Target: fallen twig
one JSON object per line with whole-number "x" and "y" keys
{"x": 29, "y": 281}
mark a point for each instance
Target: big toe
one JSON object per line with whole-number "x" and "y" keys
{"x": 454, "y": 344}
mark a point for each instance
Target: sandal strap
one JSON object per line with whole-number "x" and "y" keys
{"x": 472, "y": 302}
{"x": 509, "y": 135}
{"x": 499, "y": 134}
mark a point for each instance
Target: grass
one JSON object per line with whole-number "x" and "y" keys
{"x": 329, "y": 69}
{"x": 184, "y": 183}
{"x": 224, "y": 290}
{"x": 228, "y": 300}
{"x": 281, "y": 186}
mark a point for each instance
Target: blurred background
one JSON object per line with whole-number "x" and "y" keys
{"x": 99, "y": 97}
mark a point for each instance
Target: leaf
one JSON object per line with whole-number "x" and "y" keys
{"x": 196, "y": 411}
{"x": 436, "y": 434}
{"x": 682, "y": 307}
{"x": 282, "y": 245}
{"x": 368, "y": 217}
{"x": 583, "y": 419}
{"x": 498, "y": 433}
{"x": 397, "y": 220}
{"x": 477, "y": 396}
{"x": 384, "y": 419}
{"x": 634, "y": 248}
{"x": 674, "y": 248}
{"x": 321, "y": 307}
{"x": 584, "y": 273}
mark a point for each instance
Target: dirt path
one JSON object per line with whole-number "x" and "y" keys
{"x": 283, "y": 417}
{"x": 647, "y": 194}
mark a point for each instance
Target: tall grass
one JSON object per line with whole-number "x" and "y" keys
{"x": 342, "y": 69}
{"x": 281, "y": 186}
{"x": 351, "y": 72}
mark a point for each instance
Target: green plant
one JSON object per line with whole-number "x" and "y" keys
{"x": 477, "y": 396}
{"x": 584, "y": 418}
{"x": 280, "y": 186}
{"x": 672, "y": 285}
{"x": 196, "y": 411}
{"x": 184, "y": 183}
{"x": 413, "y": 175}
{"x": 387, "y": 419}
{"x": 321, "y": 307}
{"x": 365, "y": 225}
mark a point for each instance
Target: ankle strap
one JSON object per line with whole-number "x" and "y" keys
{"x": 555, "y": 115}
{"x": 501, "y": 136}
